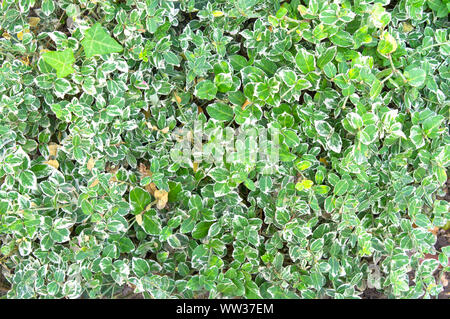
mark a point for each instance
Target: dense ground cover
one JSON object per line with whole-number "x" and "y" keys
{"x": 98, "y": 193}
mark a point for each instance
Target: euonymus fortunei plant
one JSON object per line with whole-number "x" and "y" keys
{"x": 244, "y": 148}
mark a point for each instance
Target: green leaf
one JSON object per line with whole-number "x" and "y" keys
{"x": 265, "y": 184}
{"x": 140, "y": 266}
{"x": 415, "y": 76}
{"x": 205, "y": 90}
{"x": 238, "y": 62}
{"x": 48, "y": 6}
{"x": 27, "y": 179}
{"x": 323, "y": 128}
{"x": 60, "y": 235}
{"x": 335, "y": 143}
{"x": 375, "y": 88}
{"x": 432, "y": 124}
{"x": 61, "y": 61}
{"x": 220, "y": 112}
{"x": 151, "y": 223}
{"x": 342, "y": 39}
{"x": 317, "y": 280}
{"x": 328, "y": 17}
{"x": 289, "y": 77}
{"x": 341, "y": 187}
{"x": 171, "y": 58}
{"x": 97, "y": 42}
{"x": 219, "y": 174}
{"x": 139, "y": 199}
{"x": 291, "y": 138}
{"x": 368, "y": 135}
{"x": 305, "y": 61}
{"x": 201, "y": 230}
{"x": 416, "y": 136}
{"x": 387, "y": 44}
{"x": 303, "y": 165}
{"x": 326, "y": 56}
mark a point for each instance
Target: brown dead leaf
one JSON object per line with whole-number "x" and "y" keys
{"x": 444, "y": 279}
{"x": 112, "y": 169}
{"x": 144, "y": 170}
{"x": 434, "y": 230}
{"x": 147, "y": 114}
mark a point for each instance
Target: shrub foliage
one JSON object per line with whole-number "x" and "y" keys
{"x": 92, "y": 199}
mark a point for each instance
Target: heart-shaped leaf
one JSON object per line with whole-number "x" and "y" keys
{"x": 61, "y": 61}
{"x": 98, "y": 41}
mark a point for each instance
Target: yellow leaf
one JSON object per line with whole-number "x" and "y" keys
{"x": 53, "y": 163}
{"x": 165, "y": 130}
{"x": 247, "y": 102}
{"x": 217, "y": 14}
{"x": 323, "y": 160}
{"x": 21, "y": 33}
{"x": 53, "y": 149}
{"x": 139, "y": 219}
{"x": 177, "y": 98}
{"x": 161, "y": 204}
{"x": 162, "y": 197}
{"x": 307, "y": 184}
{"x": 407, "y": 27}
{"x": 26, "y": 60}
{"x": 33, "y": 21}
{"x": 195, "y": 166}
{"x": 6, "y": 35}
{"x": 94, "y": 183}
{"x": 151, "y": 188}
{"x": 91, "y": 163}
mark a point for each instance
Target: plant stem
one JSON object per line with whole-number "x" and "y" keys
{"x": 395, "y": 70}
